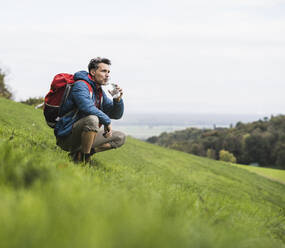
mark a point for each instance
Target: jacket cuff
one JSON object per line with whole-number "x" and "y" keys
{"x": 117, "y": 102}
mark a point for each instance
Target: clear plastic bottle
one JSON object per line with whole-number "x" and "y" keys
{"x": 113, "y": 89}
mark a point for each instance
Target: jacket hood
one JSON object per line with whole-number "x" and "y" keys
{"x": 83, "y": 75}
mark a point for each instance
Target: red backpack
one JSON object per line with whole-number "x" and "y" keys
{"x": 59, "y": 91}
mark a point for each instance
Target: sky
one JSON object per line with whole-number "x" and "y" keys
{"x": 182, "y": 56}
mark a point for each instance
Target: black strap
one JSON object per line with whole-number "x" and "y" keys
{"x": 64, "y": 98}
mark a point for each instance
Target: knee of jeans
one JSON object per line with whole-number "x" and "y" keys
{"x": 120, "y": 139}
{"x": 91, "y": 123}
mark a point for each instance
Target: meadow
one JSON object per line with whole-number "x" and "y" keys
{"x": 273, "y": 174}
{"x": 140, "y": 195}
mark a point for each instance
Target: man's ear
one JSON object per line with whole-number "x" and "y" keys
{"x": 92, "y": 72}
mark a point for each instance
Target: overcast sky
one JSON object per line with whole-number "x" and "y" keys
{"x": 206, "y": 56}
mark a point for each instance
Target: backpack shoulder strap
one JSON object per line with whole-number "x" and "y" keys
{"x": 89, "y": 87}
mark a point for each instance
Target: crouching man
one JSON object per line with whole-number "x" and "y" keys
{"x": 85, "y": 110}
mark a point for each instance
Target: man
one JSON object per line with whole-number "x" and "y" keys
{"x": 85, "y": 110}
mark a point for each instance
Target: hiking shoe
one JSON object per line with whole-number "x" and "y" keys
{"x": 79, "y": 157}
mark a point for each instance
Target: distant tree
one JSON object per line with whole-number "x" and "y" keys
{"x": 197, "y": 149}
{"x": 227, "y": 156}
{"x": 279, "y": 153}
{"x": 180, "y": 146}
{"x": 257, "y": 149}
{"x": 34, "y": 101}
{"x": 211, "y": 153}
{"x": 278, "y": 123}
{"x": 239, "y": 125}
{"x": 233, "y": 143}
{"x": 4, "y": 89}
{"x": 152, "y": 139}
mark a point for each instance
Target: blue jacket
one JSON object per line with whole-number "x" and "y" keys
{"x": 80, "y": 99}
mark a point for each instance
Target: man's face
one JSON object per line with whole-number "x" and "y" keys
{"x": 101, "y": 75}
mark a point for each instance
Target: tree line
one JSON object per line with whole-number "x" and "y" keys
{"x": 259, "y": 143}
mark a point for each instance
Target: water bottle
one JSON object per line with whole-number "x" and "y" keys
{"x": 113, "y": 90}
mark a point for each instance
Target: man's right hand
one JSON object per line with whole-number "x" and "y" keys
{"x": 107, "y": 131}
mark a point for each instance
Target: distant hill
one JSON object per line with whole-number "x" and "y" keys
{"x": 261, "y": 142}
{"x": 140, "y": 195}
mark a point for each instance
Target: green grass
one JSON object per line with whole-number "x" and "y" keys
{"x": 140, "y": 195}
{"x": 273, "y": 174}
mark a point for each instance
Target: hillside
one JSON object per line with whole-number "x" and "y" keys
{"x": 140, "y": 195}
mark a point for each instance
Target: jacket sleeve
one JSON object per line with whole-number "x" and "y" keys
{"x": 84, "y": 103}
{"x": 113, "y": 108}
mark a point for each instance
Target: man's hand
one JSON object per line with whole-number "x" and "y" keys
{"x": 107, "y": 131}
{"x": 117, "y": 89}
{"x": 121, "y": 94}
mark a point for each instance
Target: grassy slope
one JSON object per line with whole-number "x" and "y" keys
{"x": 140, "y": 195}
{"x": 274, "y": 174}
